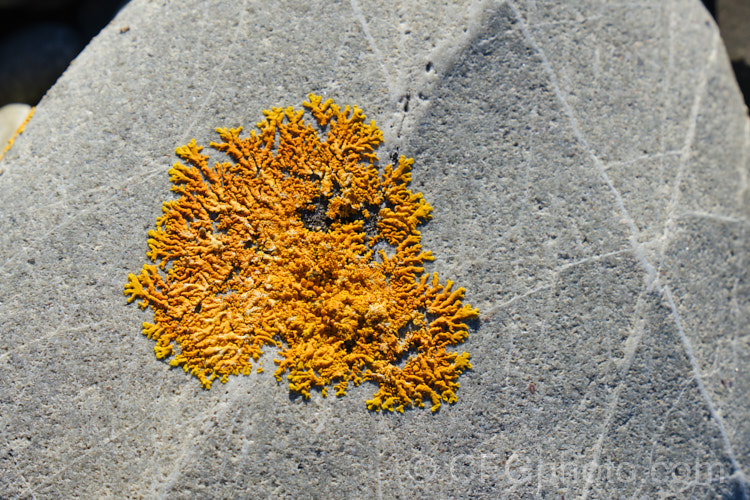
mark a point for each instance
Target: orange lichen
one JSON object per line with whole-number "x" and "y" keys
{"x": 302, "y": 244}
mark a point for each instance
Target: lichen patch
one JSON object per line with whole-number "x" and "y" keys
{"x": 276, "y": 247}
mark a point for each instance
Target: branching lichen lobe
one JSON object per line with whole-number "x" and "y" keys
{"x": 276, "y": 247}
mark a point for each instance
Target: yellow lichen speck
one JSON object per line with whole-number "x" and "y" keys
{"x": 302, "y": 244}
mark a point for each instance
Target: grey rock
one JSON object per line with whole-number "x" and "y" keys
{"x": 588, "y": 167}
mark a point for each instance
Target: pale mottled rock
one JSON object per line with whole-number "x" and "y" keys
{"x": 11, "y": 117}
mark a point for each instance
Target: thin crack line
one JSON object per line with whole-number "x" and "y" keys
{"x": 374, "y": 46}
{"x": 94, "y": 449}
{"x": 656, "y": 156}
{"x": 516, "y": 298}
{"x": 553, "y": 279}
{"x": 708, "y": 215}
{"x": 702, "y": 388}
{"x": 200, "y": 424}
{"x": 664, "y": 417}
{"x": 637, "y": 332}
{"x": 59, "y": 330}
{"x": 227, "y": 55}
{"x": 687, "y": 148}
{"x": 564, "y": 22}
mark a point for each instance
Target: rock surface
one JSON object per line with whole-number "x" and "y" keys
{"x": 588, "y": 168}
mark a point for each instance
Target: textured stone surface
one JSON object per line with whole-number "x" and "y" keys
{"x": 587, "y": 163}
